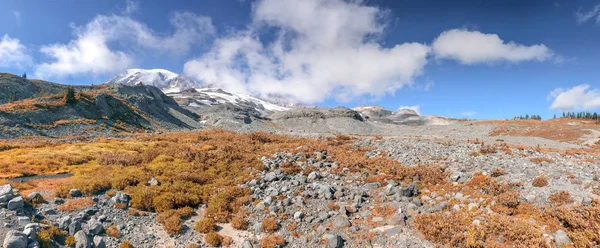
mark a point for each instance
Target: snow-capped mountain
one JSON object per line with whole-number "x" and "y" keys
{"x": 212, "y": 96}
{"x": 165, "y": 80}
{"x": 191, "y": 94}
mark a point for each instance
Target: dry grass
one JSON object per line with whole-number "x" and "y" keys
{"x": 227, "y": 241}
{"x": 72, "y": 205}
{"x": 213, "y": 239}
{"x": 540, "y": 160}
{"x": 205, "y": 225}
{"x": 540, "y": 181}
{"x": 113, "y": 231}
{"x": 194, "y": 167}
{"x": 272, "y": 241}
{"x": 496, "y": 172}
{"x": 560, "y": 198}
{"x": 239, "y": 222}
{"x": 125, "y": 244}
{"x": 269, "y": 225}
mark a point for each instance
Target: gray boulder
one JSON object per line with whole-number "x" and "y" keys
{"x": 75, "y": 193}
{"x": 99, "y": 242}
{"x": 562, "y": 239}
{"x": 153, "y": 182}
{"x": 94, "y": 227}
{"x": 74, "y": 227}
{"x": 246, "y": 244}
{"x": 15, "y": 239}
{"x": 82, "y": 240}
{"x": 64, "y": 222}
{"x": 335, "y": 241}
{"x": 341, "y": 222}
{"x": 34, "y": 196}
{"x": 16, "y": 203}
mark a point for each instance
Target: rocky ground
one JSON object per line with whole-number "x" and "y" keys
{"x": 330, "y": 206}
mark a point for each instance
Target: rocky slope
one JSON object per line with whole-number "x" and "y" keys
{"x": 93, "y": 111}
{"x": 402, "y": 116}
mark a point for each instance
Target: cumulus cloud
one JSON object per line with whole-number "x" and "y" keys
{"x": 415, "y": 108}
{"x": 594, "y": 14}
{"x": 321, "y": 49}
{"x": 13, "y": 53}
{"x": 92, "y": 50}
{"x": 580, "y": 97}
{"x": 473, "y": 47}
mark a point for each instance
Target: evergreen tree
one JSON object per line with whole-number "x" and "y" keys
{"x": 24, "y": 75}
{"x": 70, "y": 96}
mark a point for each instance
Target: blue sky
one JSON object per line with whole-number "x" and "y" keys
{"x": 475, "y": 59}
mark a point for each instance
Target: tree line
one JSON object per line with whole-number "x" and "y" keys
{"x": 580, "y": 115}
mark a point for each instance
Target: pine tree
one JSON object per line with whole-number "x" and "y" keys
{"x": 70, "y": 96}
{"x": 24, "y": 75}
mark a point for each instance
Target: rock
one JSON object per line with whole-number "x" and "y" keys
{"x": 298, "y": 216}
{"x": 15, "y": 239}
{"x": 530, "y": 198}
{"x": 371, "y": 186}
{"x": 82, "y": 240}
{"x": 121, "y": 197}
{"x": 23, "y": 220}
{"x": 6, "y": 190}
{"x": 258, "y": 228}
{"x": 341, "y": 222}
{"x": 441, "y": 206}
{"x": 417, "y": 202}
{"x": 64, "y": 222}
{"x": 59, "y": 201}
{"x": 246, "y": 244}
{"x": 393, "y": 231}
{"x": 99, "y": 242}
{"x": 586, "y": 201}
{"x": 74, "y": 227}
{"x": 455, "y": 176}
{"x": 75, "y": 193}
{"x": 270, "y": 177}
{"x": 153, "y": 182}
{"x": 16, "y": 203}
{"x": 562, "y": 239}
{"x": 398, "y": 219}
{"x": 335, "y": 241}
{"x": 473, "y": 206}
{"x": 313, "y": 175}
{"x": 34, "y": 196}
{"x": 94, "y": 227}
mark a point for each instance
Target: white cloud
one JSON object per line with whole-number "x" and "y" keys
{"x": 472, "y": 47}
{"x": 13, "y": 53}
{"x": 580, "y": 97}
{"x": 17, "y": 15}
{"x": 321, "y": 49}
{"x": 594, "y": 13}
{"x": 468, "y": 113}
{"x": 92, "y": 52}
{"x": 415, "y": 108}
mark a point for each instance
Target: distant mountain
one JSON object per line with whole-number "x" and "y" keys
{"x": 404, "y": 116}
{"x": 193, "y": 95}
{"x": 165, "y": 80}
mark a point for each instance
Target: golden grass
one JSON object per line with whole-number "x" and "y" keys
{"x": 272, "y": 241}
{"x": 71, "y": 205}
{"x": 194, "y": 168}
{"x": 540, "y": 181}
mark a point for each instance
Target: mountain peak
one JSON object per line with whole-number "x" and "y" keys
{"x": 165, "y": 80}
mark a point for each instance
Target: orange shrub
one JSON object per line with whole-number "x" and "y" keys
{"x": 112, "y": 231}
{"x": 213, "y": 239}
{"x": 75, "y": 204}
{"x": 239, "y": 222}
{"x": 560, "y": 198}
{"x": 269, "y": 225}
{"x": 125, "y": 244}
{"x": 540, "y": 181}
{"x": 272, "y": 241}
{"x": 205, "y": 225}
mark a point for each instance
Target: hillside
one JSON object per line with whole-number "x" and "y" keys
{"x": 34, "y": 107}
